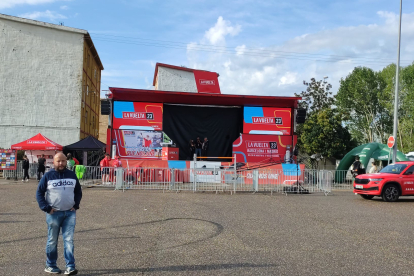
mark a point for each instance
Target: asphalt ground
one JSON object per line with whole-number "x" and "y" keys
{"x": 156, "y": 233}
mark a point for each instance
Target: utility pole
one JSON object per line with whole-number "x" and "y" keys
{"x": 397, "y": 82}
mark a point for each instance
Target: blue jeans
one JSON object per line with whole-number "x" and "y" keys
{"x": 67, "y": 221}
{"x": 198, "y": 152}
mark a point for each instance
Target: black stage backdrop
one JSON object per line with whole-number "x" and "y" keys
{"x": 222, "y": 126}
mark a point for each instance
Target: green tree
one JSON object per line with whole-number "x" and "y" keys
{"x": 405, "y": 126}
{"x": 405, "y": 139}
{"x": 324, "y": 133}
{"x": 363, "y": 96}
{"x": 317, "y": 96}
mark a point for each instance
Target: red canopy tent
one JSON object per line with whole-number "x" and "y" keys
{"x": 37, "y": 142}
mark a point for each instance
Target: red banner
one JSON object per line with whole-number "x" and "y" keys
{"x": 207, "y": 82}
{"x": 137, "y": 115}
{"x": 267, "y": 120}
{"x": 261, "y": 148}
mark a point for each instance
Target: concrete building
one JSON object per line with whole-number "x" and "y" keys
{"x": 50, "y": 81}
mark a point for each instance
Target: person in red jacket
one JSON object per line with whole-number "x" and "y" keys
{"x": 105, "y": 168}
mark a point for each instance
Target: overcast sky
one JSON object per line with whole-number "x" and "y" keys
{"x": 257, "y": 47}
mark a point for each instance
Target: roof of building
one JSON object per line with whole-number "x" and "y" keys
{"x": 57, "y": 27}
{"x": 158, "y": 96}
{"x": 174, "y": 67}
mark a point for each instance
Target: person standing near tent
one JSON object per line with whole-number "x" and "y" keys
{"x": 105, "y": 168}
{"x": 25, "y": 169}
{"x": 70, "y": 162}
{"x": 41, "y": 169}
{"x": 59, "y": 194}
{"x": 356, "y": 167}
{"x": 374, "y": 168}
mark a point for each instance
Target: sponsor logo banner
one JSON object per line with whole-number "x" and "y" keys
{"x": 267, "y": 120}
{"x": 36, "y": 142}
{"x": 206, "y": 82}
{"x": 137, "y": 115}
{"x": 8, "y": 159}
{"x": 261, "y": 148}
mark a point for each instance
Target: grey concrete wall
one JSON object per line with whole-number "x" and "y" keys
{"x": 176, "y": 80}
{"x": 40, "y": 82}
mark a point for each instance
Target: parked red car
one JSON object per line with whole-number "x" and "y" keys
{"x": 390, "y": 183}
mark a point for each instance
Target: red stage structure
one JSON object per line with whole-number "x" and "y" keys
{"x": 255, "y": 129}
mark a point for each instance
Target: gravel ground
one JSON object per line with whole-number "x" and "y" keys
{"x": 155, "y": 233}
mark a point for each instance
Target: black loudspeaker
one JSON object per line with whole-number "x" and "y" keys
{"x": 300, "y": 116}
{"x": 105, "y": 107}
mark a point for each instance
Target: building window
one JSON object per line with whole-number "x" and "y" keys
{"x": 86, "y": 119}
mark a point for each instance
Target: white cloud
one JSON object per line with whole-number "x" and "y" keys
{"x": 281, "y": 69}
{"x": 240, "y": 50}
{"x": 216, "y": 34}
{"x": 288, "y": 78}
{"x": 11, "y": 3}
{"x": 51, "y": 15}
{"x": 64, "y": 7}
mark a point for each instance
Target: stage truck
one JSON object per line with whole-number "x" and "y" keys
{"x": 154, "y": 128}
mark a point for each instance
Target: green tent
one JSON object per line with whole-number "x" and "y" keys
{"x": 365, "y": 152}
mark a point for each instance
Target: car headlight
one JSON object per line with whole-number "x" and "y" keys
{"x": 375, "y": 179}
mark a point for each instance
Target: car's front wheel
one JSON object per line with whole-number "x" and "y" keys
{"x": 367, "y": 196}
{"x": 390, "y": 193}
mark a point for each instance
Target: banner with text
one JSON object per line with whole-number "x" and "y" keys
{"x": 137, "y": 115}
{"x": 267, "y": 120}
{"x": 261, "y": 148}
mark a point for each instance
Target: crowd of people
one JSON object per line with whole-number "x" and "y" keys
{"x": 200, "y": 148}
{"x": 41, "y": 168}
{"x": 358, "y": 167}
{"x": 106, "y": 168}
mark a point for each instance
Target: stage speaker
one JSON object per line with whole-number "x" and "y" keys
{"x": 105, "y": 107}
{"x": 300, "y": 116}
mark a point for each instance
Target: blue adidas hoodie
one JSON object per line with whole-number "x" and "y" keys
{"x": 59, "y": 190}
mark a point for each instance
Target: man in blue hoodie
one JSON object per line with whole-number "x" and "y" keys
{"x": 59, "y": 194}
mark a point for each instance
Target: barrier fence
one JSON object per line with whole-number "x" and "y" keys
{"x": 209, "y": 179}
{"x": 216, "y": 180}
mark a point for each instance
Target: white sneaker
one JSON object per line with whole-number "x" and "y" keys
{"x": 22, "y": 180}
{"x": 71, "y": 271}
{"x": 27, "y": 180}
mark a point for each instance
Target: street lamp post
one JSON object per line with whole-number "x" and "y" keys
{"x": 397, "y": 81}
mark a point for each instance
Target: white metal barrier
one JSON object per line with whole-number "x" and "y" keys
{"x": 215, "y": 179}
{"x": 19, "y": 171}
{"x": 211, "y": 177}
